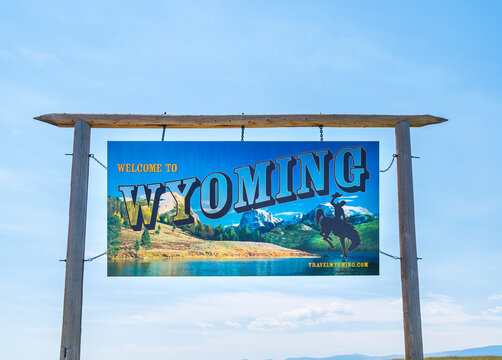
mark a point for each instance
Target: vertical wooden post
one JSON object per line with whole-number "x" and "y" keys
{"x": 72, "y": 311}
{"x": 408, "y": 246}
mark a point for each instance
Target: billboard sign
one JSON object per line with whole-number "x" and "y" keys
{"x": 243, "y": 208}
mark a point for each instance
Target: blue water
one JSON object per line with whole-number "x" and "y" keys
{"x": 249, "y": 267}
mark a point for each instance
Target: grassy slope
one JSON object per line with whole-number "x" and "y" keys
{"x": 178, "y": 244}
{"x": 304, "y": 237}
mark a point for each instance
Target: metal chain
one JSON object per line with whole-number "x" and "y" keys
{"x": 389, "y": 255}
{"x": 95, "y": 159}
{"x": 242, "y": 132}
{"x": 90, "y": 259}
{"x": 99, "y": 162}
{"x": 95, "y": 257}
{"x": 394, "y": 156}
{"x": 320, "y": 132}
{"x": 163, "y": 129}
{"x": 394, "y": 257}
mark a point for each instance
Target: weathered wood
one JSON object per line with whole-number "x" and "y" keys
{"x": 72, "y": 311}
{"x": 236, "y": 121}
{"x": 408, "y": 246}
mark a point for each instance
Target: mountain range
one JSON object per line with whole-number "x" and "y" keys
{"x": 260, "y": 220}
{"x": 495, "y": 350}
{"x": 264, "y": 220}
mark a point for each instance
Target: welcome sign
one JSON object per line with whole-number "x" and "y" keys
{"x": 243, "y": 208}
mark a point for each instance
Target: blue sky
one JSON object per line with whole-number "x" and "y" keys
{"x": 199, "y": 159}
{"x": 441, "y": 58}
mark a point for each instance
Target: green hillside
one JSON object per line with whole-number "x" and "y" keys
{"x": 304, "y": 237}
{"x": 169, "y": 242}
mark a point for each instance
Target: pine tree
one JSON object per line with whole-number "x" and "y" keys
{"x": 230, "y": 234}
{"x": 218, "y": 231}
{"x": 113, "y": 235}
{"x": 203, "y": 231}
{"x": 197, "y": 229}
{"x": 137, "y": 246}
{"x": 246, "y": 236}
{"x": 210, "y": 232}
{"x": 146, "y": 240}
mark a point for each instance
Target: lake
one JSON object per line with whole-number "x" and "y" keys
{"x": 330, "y": 264}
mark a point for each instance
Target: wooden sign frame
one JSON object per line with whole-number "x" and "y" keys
{"x": 82, "y": 123}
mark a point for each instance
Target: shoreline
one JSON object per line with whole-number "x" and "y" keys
{"x": 212, "y": 258}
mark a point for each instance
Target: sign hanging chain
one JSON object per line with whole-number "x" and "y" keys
{"x": 393, "y": 256}
{"x": 242, "y": 132}
{"x": 321, "y": 133}
{"x": 95, "y": 159}
{"x": 91, "y": 258}
{"x": 99, "y": 162}
{"x": 394, "y": 156}
{"x": 163, "y": 129}
{"x": 389, "y": 255}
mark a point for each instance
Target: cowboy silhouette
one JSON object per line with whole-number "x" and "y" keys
{"x": 339, "y": 213}
{"x": 338, "y": 226}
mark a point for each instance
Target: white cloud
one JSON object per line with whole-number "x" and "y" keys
{"x": 274, "y": 311}
{"x": 203, "y": 324}
{"x": 443, "y": 309}
{"x": 280, "y": 345}
{"x": 495, "y": 310}
{"x": 233, "y": 324}
{"x": 495, "y": 297}
{"x": 289, "y": 213}
{"x": 288, "y": 324}
{"x": 260, "y": 311}
{"x": 308, "y": 316}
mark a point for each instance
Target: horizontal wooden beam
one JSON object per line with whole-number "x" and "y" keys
{"x": 236, "y": 121}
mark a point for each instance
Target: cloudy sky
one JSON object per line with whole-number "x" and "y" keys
{"x": 252, "y": 57}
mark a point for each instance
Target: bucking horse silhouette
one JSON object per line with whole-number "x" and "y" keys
{"x": 338, "y": 226}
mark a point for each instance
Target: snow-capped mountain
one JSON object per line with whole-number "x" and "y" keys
{"x": 292, "y": 217}
{"x": 260, "y": 220}
{"x": 264, "y": 220}
{"x": 354, "y": 214}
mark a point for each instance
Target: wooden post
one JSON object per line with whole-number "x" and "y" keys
{"x": 408, "y": 246}
{"x": 72, "y": 311}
